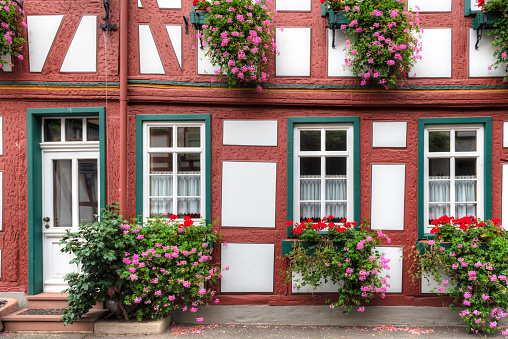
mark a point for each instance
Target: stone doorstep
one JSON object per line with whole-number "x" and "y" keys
{"x": 116, "y": 328}
{"x": 50, "y": 323}
{"x": 53, "y": 300}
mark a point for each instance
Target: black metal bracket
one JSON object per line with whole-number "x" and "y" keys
{"x": 334, "y": 25}
{"x": 479, "y": 31}
{"x": 20, "y": 4}
{"x": 107, "y": 26}
{"x": 186, "y": 20}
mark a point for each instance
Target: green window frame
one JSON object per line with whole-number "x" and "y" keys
{"x": 423, "y": 124}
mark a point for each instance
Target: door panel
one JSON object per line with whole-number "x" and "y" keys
{"x": 70, "y": 195}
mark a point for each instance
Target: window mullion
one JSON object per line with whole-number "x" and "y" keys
{"x": 323, "y": 186}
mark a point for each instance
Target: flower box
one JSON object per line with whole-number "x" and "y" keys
{"x": 310, "y": 247}
{"x": 485, "y": 19}
{"x": 337, "y": 18}
{"x": 197, "y": 18}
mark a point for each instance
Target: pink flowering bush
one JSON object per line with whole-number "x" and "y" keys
{"x": 168, "y": 267}
{"x": 475, "y": 262}
{"x": 384, "y": 41}
{"x": 148, "y": 269}
{"x": 353, "y": 263}
{"x": 241, "y": 40}
{"x": 500, "y": 33}
{"x": 11, "y": 23}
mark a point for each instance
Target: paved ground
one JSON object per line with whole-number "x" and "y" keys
{"x": 289, "y": 332}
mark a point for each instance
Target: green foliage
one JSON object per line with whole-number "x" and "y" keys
{"x": 334, "y": 5}
{"x": 385, "y": 40}
{"x": 98, "y": 248}
{"x": 500, "y": 33}
{"x": 476, "y": 265}
{"x": 11, "y": 21}
{"x": 240, "y": 39}
{"x": 147, "y": 269}
{"x": 168, "y": 268}
{"x": 354, "y": 265}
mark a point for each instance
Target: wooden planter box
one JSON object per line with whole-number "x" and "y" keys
{"x": 197, "y": 18}
{"x": 487, "y": 19}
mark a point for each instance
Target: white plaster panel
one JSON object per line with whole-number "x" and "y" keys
{"x": 436, "y": 55}
{"x": 251, "y": 267}
{"x": 169, "y": 3}
{"x": 395, "y": 254}
{"x": 294, "y": 46}
{"x": 42, "y": 30}
{"x": 250, "y": 132}
{"x": 504, "y": 197}
{"x": 292, "y": 5}
{"x": 149, "y": 58}
{"x": 175, "y": 35}
{"x": 205, "y": 65}
{"x": 248, "y": 194}
{"x": 482, "y": 58}
{"x": 388, "y": 191}
{"x": 337, "y": 55}
{"x": 82, "y": 53}
{"x": 430, "y": 285}
{"x": 431, "y": 5}
{"x": 6, "y": 67}
{"x": 140, "y": 4}
{"x": 505, "y": 134}
{"x": 328, "y": 287}
{"x": 389, "y": 133}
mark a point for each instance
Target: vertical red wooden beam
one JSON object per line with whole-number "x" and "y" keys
{"x": 124, "y": 38}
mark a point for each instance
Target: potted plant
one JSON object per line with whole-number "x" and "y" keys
{"x": 345, "y": 255}
{"x": 241, "y": 41}
{"x": 384, "y": 40}
{"x": 494, "y": 15}
{"x": 472, "y": 254}
{"x": 149, "y": 269}
{"x": 11, "y": 23}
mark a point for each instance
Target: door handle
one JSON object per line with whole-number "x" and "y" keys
{"x": 47, "y": 226}
{"x": 45, "y": 219}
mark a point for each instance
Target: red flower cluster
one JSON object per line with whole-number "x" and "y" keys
{"x": 481, "y": 3}
{"x": 195, "y": 3}
{"x": 187, "y": 221}
{"x": 309, "y": 223}
{"x": 464, "y": 223}
{"x": 323, "y": 1}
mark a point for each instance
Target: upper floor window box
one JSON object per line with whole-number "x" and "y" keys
{"x": 198, "y": 17}
{"x": 485, "y": 19}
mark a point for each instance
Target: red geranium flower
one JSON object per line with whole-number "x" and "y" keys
{"x": 434, "y": 230}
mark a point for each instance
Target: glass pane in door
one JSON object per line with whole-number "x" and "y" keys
{"x": 62, "y": 193}
{"x": 88, "y": 197}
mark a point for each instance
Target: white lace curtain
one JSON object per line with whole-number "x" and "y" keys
{"x": 188, "y": 186}
{"x": 335, "y": 189}
{"x": 465, "y": 191}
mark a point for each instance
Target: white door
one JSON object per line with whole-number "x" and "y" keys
{"x": 70, "y": 195}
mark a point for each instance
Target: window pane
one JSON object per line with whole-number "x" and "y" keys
{"x": 74, "y": 129}
{"x": 88, "y": 197}
{"x": 52, "y": 130}
{"x": 310, "y": 189}
{"x": 310, "y": 210}
{"x": 336, "y": 209}
{"x": 439, "y": 191}
{"x": 336, "y": 190}
{"x": 161, "y": 137}
{"x": 189, "y": 185}
{"x": 190, "y": 207}
{"x": 439, "y": 168}
{"x": 439, "y": 141}
{"x": 160, "y": 206}
{"x": 92, "y": 129}
{"x": 465, "y": 168}
{"x": 465, "y": 141}
{"x": 465, "y": 210}
{"x": 189, "y": 162}
{"x": 161, "y": 185}
{"x": 438, "y": 210}
{"x": 336, "y": 166}
{"x": 310, "y": 140}
{"x": 310, "y": 166}
{"x": 465, "y": 190}
{"x": 336, "y": 140}
{"x": 188, "y": 137}
{"x": 161, "y": 163}
{"x": 62, "y": 193}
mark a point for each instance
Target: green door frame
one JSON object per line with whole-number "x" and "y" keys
{"x": 34, "y": 137}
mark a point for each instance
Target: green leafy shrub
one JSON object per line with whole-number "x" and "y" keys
{"x": 11, "y": 23}
{"x": 500, "y": 33}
